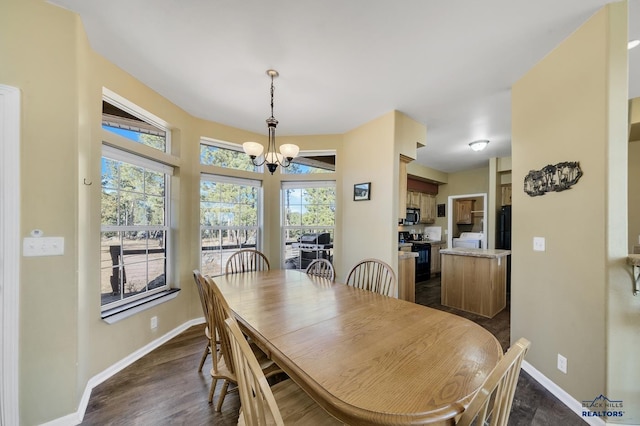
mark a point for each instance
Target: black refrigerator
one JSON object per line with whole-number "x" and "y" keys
{"x": 503, "y": 239}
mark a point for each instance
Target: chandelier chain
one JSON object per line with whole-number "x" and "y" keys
{"x": 272, "y": 90}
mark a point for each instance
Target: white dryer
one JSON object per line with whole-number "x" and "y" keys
{"x": 468, "y": 240}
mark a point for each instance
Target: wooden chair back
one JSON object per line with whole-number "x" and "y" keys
{"x": 491, "y": 405}
{"x": 247, "y": 260}
{"x": 373, "y": 275}
{"x": 259, "y": 407}
{"x": 204, "y": 293}
{"x": 321, "y": 268}
{"x": 219, "y": 312}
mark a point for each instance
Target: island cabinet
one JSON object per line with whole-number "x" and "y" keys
{"x": 474, "y": 280}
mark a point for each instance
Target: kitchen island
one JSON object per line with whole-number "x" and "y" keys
{"x": 474, "y": 280}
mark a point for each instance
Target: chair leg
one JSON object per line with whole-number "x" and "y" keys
{"x": 223, "y": 393}
{"x": 204, "y": 357}
{"x": 212, "y": 389}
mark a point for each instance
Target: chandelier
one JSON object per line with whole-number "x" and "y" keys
{"x": 272, "y": 158}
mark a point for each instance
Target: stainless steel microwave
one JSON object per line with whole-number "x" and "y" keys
{"x": 412, "y": 217}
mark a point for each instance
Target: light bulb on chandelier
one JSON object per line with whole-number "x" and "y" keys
{"x": 272, "y": 158}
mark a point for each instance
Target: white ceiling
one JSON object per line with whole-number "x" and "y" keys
{"x": 447, "y": 64}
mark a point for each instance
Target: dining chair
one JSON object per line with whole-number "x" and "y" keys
{"x": 491, "y": 405}
{"x": 373, "y": 275}
{"x": 283, "y": 403}
{"x": 204, "y": 293}
{"x": 223, "y": 366}
{"x": 321, "y": 268}
{"x": 247, "y": 260}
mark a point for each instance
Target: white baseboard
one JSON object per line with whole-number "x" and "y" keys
{"x": 560, "y": 393}
{"x": 76, "y": 418}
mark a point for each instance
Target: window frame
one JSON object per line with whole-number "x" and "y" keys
{"x": 144, "y": 115}
{"x": 230, "y": 146}
{"x": 304, "y": 184}
{"x": 119, "y": 148}
{"x": 259, "y": 227}
{"x": 311, "y": 153}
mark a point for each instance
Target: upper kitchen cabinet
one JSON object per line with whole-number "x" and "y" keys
{"x": 464, "y": 209}
{"x": 505, "y": 190}
{"x": 413, "y": 200}
{"x": 421, "y": 194}
{"x": 427, "y": 208}
{"x": 425, "y": 202}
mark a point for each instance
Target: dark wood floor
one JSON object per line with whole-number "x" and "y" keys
{"x": 164, "y": 387}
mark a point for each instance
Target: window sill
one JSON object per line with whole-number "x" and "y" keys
{"x": 114, "y": 315}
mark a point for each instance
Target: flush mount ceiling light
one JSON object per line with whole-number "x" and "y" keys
{"x": 632, "y": 44}
{"x": 272, "y": 158}
{"x": 479, "y": 145}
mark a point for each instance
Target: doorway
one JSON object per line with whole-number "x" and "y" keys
{"x": 477, "y": 212}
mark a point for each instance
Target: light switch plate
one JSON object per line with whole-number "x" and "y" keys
{"x": 538, "y": 244}
{"x": 43, "y": 246}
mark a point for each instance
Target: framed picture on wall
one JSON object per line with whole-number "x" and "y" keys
{"x": 362, "y": 191}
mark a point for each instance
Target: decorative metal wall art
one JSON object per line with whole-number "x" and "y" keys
{"x": 552, "y": 178}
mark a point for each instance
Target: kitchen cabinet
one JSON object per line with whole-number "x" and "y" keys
{"x": 413, "y": 200}
{"x": 506, "y": 194}
{"x": 425, "y": 202}
{"x": 464, "y": 215}
{"x": 427, "y": 208}
{"x": 435, "y": 258}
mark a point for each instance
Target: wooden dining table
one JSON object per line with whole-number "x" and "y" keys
{"x": 364, "y": 357}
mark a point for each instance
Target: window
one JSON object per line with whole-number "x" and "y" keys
{"x": 125, "y": 119}
{"x": 229, "y": 219}
{"x": 307, "y": 208}
{"x": 134, "y": 231}
{"x": 225, "y": 154}
{"x": 135, "y": 235}
{"x": 308, "y": 162}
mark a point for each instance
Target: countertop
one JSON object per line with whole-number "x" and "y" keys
{"x": 406, "y": 254}
{"x": 409, "y": 243}
{"x": 474, "y": 252}
{"x": 633, "y": 259}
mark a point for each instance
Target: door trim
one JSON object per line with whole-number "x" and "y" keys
{"x": 9, "y": 252}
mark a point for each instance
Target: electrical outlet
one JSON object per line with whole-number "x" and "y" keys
{"x": 538, "y": 244}
{"x": 562, "y": 364}
{"x": 154, "y": 322}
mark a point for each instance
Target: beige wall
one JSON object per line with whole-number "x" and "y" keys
{"x": 369, "y": 226}
{"x": 572, "y": 107}
{"x": 45, "y": 72}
